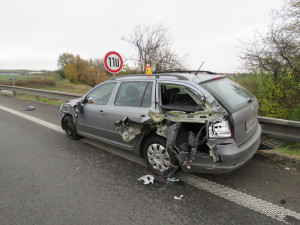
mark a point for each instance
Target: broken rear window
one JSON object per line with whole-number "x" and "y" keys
{"x": 177, "y": 97}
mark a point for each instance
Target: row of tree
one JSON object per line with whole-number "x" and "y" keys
{"x": 152, "y": 45}
{"x": 76, "y": 69}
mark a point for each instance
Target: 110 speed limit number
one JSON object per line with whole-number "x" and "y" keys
{"x": 113, "y": 62}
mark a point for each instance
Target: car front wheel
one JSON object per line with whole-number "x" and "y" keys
{"x": 70, "y": 128}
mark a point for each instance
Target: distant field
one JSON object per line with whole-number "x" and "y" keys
{"x": 11, "y": 71}
{"x": 47, "y": 81}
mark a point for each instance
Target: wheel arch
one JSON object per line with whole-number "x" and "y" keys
{"x": 146, "y": 136}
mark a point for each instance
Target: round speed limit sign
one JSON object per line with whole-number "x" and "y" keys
{"x": 113, "y": 62}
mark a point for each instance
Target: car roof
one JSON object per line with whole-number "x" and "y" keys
{"x": 195, "y": 76}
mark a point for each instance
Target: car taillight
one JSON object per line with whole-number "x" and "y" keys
{"x": 219, "y": 130}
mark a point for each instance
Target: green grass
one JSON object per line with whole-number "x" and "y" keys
{"x": 289, "y": 147}
{"x": 19, "y": 77}
{"x": 290, "y": 151}
{"x": 41, "y": 99}
{"x": 67, "y": 86}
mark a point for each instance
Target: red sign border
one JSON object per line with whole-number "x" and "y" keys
{"x": 106, "y": 66}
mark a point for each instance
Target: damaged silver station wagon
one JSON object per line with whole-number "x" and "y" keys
{"x": 199, "y": 121}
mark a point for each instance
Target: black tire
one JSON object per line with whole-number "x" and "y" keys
{"x": 70, "y": 128}
{"x": 159, "y": 161}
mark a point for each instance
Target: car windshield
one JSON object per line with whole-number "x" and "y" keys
{"x": 229, "y": 93}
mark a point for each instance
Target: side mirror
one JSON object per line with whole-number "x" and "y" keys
{"x": 79, "y": 107}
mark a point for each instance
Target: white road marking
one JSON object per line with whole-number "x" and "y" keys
{"x": 33, "y": 119}
{"x": 240, "y": 198}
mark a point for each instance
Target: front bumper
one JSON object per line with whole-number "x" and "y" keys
{"x": 232, "y": 157}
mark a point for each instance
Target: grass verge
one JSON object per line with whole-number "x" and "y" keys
{"x": 41, "y": 99}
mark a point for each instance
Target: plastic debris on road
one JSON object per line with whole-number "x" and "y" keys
{"x": 178, "y": 198}
{"x": 172, "y": 179}
{"x": 30, "y": 108}
{"x": 147, "y": 179}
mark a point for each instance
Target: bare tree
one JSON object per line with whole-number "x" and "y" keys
{"x": 153, "y": 46}
{"x": 277, "y": 51}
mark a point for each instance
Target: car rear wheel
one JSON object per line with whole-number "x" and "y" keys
{"x": 70, "y": 128}
{"x": 158, "y": 158}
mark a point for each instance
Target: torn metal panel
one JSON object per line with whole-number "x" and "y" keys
{"x": 215, "y": 105}
{"x": 68, "y": 109}
{"x": 128, "y": 129}
{"x": 196, "y": 117}
{"x": 157, "y": 117}
{"x": 206, "y": 114}
{"x": 161, "y": 130}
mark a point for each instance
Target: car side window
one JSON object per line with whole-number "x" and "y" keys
{"x": 101, "y": 94}
{"x": 134, "y": 94}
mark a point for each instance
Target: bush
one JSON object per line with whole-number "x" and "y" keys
{"x": 278, "y": 98}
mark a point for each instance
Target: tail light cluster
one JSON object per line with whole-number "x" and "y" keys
{"x": 219, "y": 129}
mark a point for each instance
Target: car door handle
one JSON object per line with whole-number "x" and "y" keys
{"x": 101, "y": 112}
{"x": 142, "y": 116}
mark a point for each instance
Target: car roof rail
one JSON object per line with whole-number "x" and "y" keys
{"x": 186, "y": 71}
{"x": 178, "y": 76}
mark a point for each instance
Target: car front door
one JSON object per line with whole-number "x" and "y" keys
{"x": 134, "y": 99}
{"x": 92, "y": 120}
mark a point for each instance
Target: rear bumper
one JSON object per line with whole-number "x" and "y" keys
{"x": 232, "y": 157}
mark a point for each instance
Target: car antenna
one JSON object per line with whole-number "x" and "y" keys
{"x": 199, "y": 68}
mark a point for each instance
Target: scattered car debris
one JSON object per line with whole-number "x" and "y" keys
{"x": 30, "y": 108}
{"x": 282, "y": 201}
{"x": 178, "y": 198}
{"x": 172, "y": 179}
{"x": 147, "y": 179}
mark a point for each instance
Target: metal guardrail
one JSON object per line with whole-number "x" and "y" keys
{"x": 43, "y": 93}
{"x": 285, "y": 129}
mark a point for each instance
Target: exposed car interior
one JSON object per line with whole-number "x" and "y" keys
{"x": 176, "y": 98}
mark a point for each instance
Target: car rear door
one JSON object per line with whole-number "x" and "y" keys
{"x": 134, "y": 99}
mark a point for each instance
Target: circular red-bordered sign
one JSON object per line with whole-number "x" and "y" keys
{"x": 113, "y": 62}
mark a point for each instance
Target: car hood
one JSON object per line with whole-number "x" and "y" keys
{"x": 73, "y": 102}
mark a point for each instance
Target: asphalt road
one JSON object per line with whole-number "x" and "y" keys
{"x": 47, "y": 179}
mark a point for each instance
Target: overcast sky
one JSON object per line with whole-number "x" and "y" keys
{"x": 35, "y": 32}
